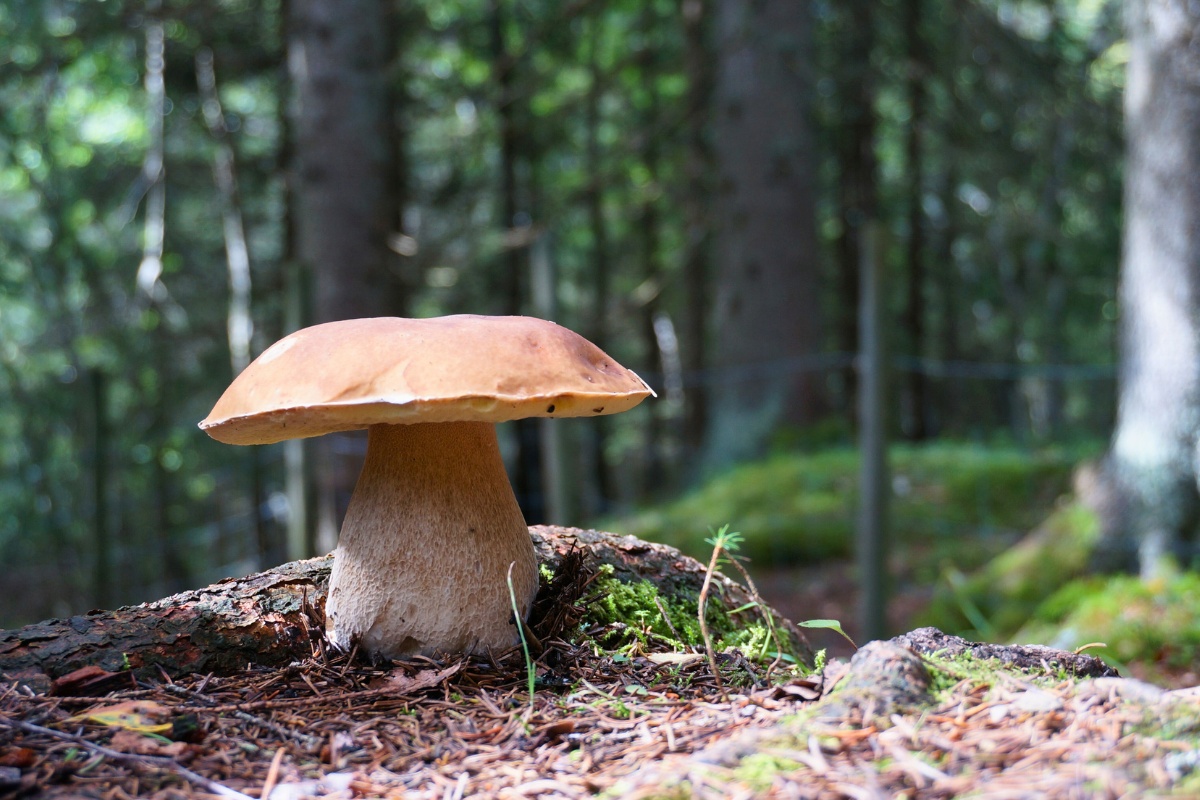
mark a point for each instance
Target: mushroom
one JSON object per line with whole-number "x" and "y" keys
{"x": 424, "y": 553}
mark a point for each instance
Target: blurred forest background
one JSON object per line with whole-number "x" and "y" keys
{"x": 685, "y": 182}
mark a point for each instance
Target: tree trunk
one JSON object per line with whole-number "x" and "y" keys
{"x": 855, "y": 154}
{"x": 601, "y": 266}
{"x": 767, "y": 308}
{"x": 949, "y": 403}
{"x": 339, "y": 55}
{"x": 527, "y": 475}
{"x": 655, "y": 465}
{"x": 696, "y": 266}
{"x": 916, "y": 428}
{"x": 276, "y": 617}
{"x": 1154, "y": 447}
{"x": 102, "y": 544}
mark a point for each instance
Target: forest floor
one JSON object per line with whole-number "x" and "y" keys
{"x": 615, "y": 710}
{"x": 924, "y": 715}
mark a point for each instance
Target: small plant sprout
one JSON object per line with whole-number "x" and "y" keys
{"x": 828, "y": 624}
{"x": 722, "y": 541}
{"x": 530, "y": 667}
{"x": 726, "y": 543}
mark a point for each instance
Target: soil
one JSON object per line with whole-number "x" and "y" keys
{"x": 921, "y": 715}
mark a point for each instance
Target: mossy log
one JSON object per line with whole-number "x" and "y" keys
{"x": 274, "y": 617}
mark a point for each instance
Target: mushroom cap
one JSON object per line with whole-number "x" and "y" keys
{"x": 352, "y": 374}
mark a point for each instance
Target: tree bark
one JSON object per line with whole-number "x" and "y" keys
{"x": 916, "y": 428}
{"x": 339, "y": 55}
{"x": 1154, "y": 448}
{"x": 601, "y": 263}
{"x": 276, "y": 617}
{"x": 513, "y": 144}
{"x": 696, "y": 266}
{"x": 102, "y": 563}
{"x": 767, "y": 308}
{"x": 857, "y": 166}
{"x": 655, "y": 469}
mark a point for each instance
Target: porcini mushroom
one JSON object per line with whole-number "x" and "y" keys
{"x": 423, "y": 557}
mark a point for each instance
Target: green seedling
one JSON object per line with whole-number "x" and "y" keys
{"x": 530, "y": 667}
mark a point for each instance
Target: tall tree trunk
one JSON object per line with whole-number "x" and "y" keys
{"x": 103, "y": 563}
{"x": 916, "y": 427}
{"x": 696, "y": 16}
{"x": 648, "y": 225}
{"x": 1154, "y": 447}
{"x": 503, "y": 67}
{"x": 172, "y": 565}
{"x": 948, "y": 411}
{"x": 295, "y": 284}
{"x": 767, "y": 309}
{"x": 527, "y": 474}
{"x": 856, "y": 186}
{"x": 339, "y": 55}
{"x": 1057, "y": 148}
{"x": 239, "y": 322}
{"x": 600, "y": 261}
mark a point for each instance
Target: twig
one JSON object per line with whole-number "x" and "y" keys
{"x": 272, "y": 775}
{"x": 310, "y": 743}
{"x": 768, "y": 616}
{"x": 702, "y": 607}
{"x": 158, "y": 762}
{"x": 667, "y": 619}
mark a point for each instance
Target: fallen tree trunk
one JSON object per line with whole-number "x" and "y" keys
{"x": 276, "y": 617}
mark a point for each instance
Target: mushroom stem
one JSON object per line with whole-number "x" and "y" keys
{"x": 422, "y": 560}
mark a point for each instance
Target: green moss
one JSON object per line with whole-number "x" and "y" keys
{"x": 637, "y": 605}
{"x": 680, "y": 791}
{"x": 1149, "y": 622}
{"x": 758, "y": 770}
{"x": 999, "y": 598}
{"x": 799, "y": 507}
{"x": 946, "y": 673}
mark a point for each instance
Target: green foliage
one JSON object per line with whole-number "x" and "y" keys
{"x": 758, "y": 770}
{"x": 102, "y": 476}
{"x": 637, "y": 606}
{"x": 799, "y": 507}
{"x": 530, "y": 665}
{"x": 1154, "y": 623}
{"x": 100, "y": 386}
{"x": 1001, "y": 596}
{"x": 827, "y": 624}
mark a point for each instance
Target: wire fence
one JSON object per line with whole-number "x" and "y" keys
{"x": 929, "y": 367}
{"x": 229, "y": 545}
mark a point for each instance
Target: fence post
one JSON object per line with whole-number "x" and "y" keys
{"x": 872, "y": 440}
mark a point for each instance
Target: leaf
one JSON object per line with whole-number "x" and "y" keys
{"x": 85, "y": 680}
{"x": 424, "y": 679}
{"x": 830, "y": 624}
{"x": 558, "y": 728}
{"x": 805, "y": 689}
{"x": 140, "y": 716}
{"x": 18, "y": 757}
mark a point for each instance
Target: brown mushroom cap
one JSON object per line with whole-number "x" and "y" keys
{"x": 346, "y": 375}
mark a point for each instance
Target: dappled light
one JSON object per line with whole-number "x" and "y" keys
{"x": 799, "y": 359}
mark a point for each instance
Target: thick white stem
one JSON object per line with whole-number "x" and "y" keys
{"x": 422, "y": 561}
